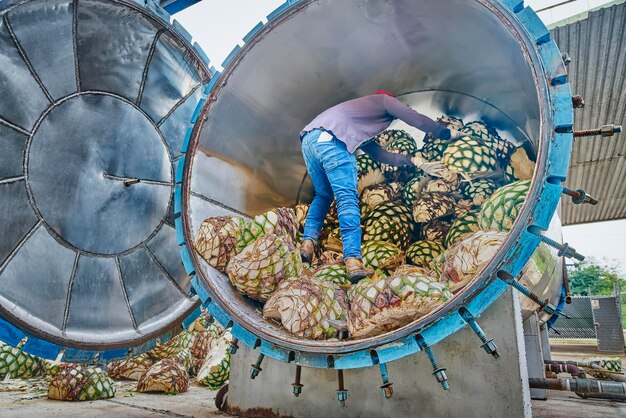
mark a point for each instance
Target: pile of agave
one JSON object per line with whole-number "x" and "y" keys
{"x": 201, "y": 351}
{"x": 427, "y": 237}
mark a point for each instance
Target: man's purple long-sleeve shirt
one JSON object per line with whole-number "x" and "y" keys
{"x": 358, "y": 120}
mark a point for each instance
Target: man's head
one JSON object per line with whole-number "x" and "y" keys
{"x": 384, "y": 92}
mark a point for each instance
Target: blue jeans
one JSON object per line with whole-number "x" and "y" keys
{"x": 333, "y": 171}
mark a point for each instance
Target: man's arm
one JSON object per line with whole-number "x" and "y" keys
{"x": 379, "y": 154}
{"x": 399, "y": 110}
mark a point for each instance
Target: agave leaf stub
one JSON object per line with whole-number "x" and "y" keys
{"x": 262, "y": 265}
{"x": 217, "y": 238}
{"x": 381, "y": 303}
{"x": 131, "y": 368}
{"x": 81, "y": 383}
{"x": 215, "y": 368}
{"x": 466, "y": 258}
{"x": 167, "y": 375}
{"x": 309, "y": 307}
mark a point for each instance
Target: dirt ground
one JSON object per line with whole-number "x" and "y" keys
{"x": 20, "y": 398}
{"x": 29, "y": 399}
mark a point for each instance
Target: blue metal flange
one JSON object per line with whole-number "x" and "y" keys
{"x": 515, "y": 258}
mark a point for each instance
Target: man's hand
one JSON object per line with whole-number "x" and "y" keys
{"x": 434, "y": 168}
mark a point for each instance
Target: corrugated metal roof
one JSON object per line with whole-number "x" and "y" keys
{"x": 597, "y": 46}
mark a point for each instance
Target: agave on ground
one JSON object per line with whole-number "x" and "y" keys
{"x": 215, "y": 368}
{"x": 202, "y": 343}
{"x": 329, "y": 257}
{"x": 167, "y": 375}
{"x": 434, "y": 148}
{"x": 80, "y": 383}
{"x": 130, "y": 368}
{"x": 309, "y": 307}
{"x": 263, "y": 264}
{"x": 173, "y": 347}
{"x": 440, "y": 185}
{"x": 382, "y": 303}
{"x": 17, "y": 364}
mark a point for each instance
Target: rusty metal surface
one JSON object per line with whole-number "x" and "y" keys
{"x": 597, "y": 46}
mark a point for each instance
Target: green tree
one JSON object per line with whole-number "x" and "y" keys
{"x": 595, "y": 277}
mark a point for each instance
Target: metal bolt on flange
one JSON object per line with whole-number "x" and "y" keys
{"x": 545, "y": 305}
{"x": 488, "y": 345}
{"x": 579, "y": 196}
{"x": 438, "y": 372}
{"x": 342, "y": 393}
{"x": 604, "y": 131}
{"x": 387, "y": 387}
{"x": 297, "y": 386}
{"x": 234, "y": 346}
{"x": 564, "y": 249}
{"x": 256, "y": 367}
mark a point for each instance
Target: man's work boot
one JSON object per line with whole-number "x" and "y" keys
{"x": 356, "y": 270}
{"x": 307, "y": 249}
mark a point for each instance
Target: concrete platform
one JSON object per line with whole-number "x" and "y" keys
{"x": 199, "y": 402}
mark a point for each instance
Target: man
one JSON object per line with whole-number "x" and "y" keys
{"x": 328, "y": 146}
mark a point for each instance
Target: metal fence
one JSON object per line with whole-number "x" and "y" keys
{"x": 576, "y": 320}
{"x": 593, "y": 317}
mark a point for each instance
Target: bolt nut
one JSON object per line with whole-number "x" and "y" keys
{"x": 254, "y": 371}
{"x": 549, "y": 308}
{"x": 296, "y": 389}
{"x": 387, "y": 390}
{"x": 342, "y": 395}
{"x": 491, "y": 348}
{"x": 607, "y": 130}
{"x": 440, "y": 375}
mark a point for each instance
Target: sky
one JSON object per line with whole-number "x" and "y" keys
{"x": 220, "y": 25}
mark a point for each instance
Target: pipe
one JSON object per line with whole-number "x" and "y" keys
{"x": 607, "y": 396}
{"x": 583, "y": 386}
{"x": 562, "y": 367}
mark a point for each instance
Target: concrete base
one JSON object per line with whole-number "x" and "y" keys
{"x": 534, "y": 354}
{"x": 480, "y": 386}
